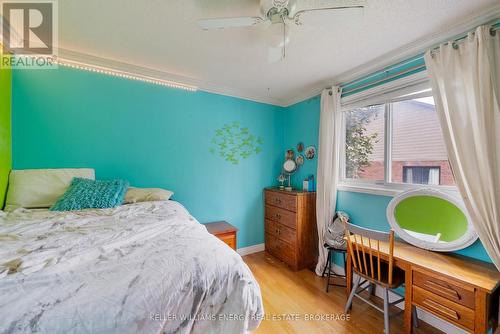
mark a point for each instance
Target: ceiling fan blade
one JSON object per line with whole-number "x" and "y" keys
{"x": 326, "y": 8}
{"x": 296, "y": 17}
{"x": 229, "y": 22}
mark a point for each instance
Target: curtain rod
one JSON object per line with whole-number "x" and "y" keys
{"x": 493, "y": 31}
{"x": 494, "y": 28}
{"x": 389, "y": 77}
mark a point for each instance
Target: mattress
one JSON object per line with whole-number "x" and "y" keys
{"x": 139, "y": 268}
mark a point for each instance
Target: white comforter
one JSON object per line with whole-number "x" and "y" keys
{"x": 139, "y": 268}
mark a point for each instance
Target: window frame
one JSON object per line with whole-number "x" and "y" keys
{"x": 386, "y": 96}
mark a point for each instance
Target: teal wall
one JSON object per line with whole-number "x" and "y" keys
{"x": 152, "y": 136}
{"x": 302, "y": 124}
{"x": 159, "y": 137}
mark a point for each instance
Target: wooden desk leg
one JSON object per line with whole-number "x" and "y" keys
{"x": 481, "y": 314}
{"x": 348, "y": 275}
{"x": 408, "y": 325}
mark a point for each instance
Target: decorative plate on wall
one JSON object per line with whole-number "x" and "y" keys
{"x": 310, "y": 152}
{"x": 299, "y": 160}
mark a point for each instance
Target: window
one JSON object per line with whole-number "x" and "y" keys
{"x": 398, "y": 142}
{"x": 417, "y": 140}
{"x": 421, "y": 175}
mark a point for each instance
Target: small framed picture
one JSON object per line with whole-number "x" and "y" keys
{"x": 289, "y": 155}
{"x": 300, "y": 147}
{"x": 310, "y": 152}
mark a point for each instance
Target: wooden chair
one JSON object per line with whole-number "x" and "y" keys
{"x": 368, "y": 265}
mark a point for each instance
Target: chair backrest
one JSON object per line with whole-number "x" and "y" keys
{"x": 364, "y": 249}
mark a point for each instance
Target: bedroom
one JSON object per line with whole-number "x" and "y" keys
{"x": 147, "y": 151}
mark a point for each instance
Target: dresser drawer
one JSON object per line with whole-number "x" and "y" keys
{"x": 459, "y": 294}
{"x": 281, "y": 231}
{"x": 443, "y": 308}
{"x": 282, "y": 216}
{"x": 280, "y": 249}
{"x": 281, "y": 200}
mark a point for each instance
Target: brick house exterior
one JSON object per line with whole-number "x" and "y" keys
{"x": 417, "y": 141}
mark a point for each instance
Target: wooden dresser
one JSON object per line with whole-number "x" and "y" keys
{"x": 290, "y": 226}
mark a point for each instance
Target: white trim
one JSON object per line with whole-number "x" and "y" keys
{"x": 124, "y": 75}
{"x": 469, "y": 237}
{"x": 251, "y": 249}
{"x": 94, "y": 61}
{"x": 400, "y": 88}
{"x": 450, "y": 32}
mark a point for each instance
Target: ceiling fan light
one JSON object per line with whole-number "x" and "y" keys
{"x": 278, "y": 35}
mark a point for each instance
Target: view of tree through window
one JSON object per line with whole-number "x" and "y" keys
{"x": 364, "y": 142}
{"x": 418, "y": 154}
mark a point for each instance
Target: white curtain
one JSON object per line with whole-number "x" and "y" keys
{"x": 465, "y": 79}
{"x": 328, "y": 165}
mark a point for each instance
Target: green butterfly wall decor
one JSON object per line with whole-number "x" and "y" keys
{"x": 234, "y": 143}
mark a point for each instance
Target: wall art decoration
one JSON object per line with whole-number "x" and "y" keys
{"x": 310, "y": 152}
{"x": 289, "y": 155}
{"x": 299, "y": 160}
{"x": 300, "y": 147}
{"x": 233, "y": 143}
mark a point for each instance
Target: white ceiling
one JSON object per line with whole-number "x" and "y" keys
{"x": 163, "y": 35}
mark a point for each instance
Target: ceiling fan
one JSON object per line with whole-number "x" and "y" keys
{"x": 278, "y": 13}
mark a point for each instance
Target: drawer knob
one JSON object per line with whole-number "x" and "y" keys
{"x": 278, "y": 216}
{"x": 277, "y": 200}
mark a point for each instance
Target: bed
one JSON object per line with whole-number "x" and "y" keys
{"x": 139, "y": 268}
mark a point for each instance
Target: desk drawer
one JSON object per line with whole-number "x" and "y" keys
{"x": 281, "y": 200}
{"x": 444, "y": 308}
{"x": 462, "y": 295}
{"x": 281, "y": 216}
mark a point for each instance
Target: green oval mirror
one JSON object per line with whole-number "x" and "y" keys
{"x": 431, "y": 219}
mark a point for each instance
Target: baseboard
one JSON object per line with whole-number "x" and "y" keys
{"x": 422, "y": 315}
{"x": 251, "y": 249}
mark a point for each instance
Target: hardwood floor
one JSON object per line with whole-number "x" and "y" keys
{"x": 294, "y": 295}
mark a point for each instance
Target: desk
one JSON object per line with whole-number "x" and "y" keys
{"x": 460, "y": 290}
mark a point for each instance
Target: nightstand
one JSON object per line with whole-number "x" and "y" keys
{"x": 224, "y": 231}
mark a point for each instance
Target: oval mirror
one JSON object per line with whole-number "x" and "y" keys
{"x": 289, "y": 166}
{"x": 431, "y": 219}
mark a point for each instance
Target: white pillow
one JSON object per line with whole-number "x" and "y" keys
{"x": 40, "y": 188}
{"x": 135, "y": 195}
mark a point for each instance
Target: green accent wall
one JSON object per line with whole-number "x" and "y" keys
{"x": 5, "y": 131}
{"x": 152, "y": 136}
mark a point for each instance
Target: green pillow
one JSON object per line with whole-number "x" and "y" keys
{"x": 89, "y": 194}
